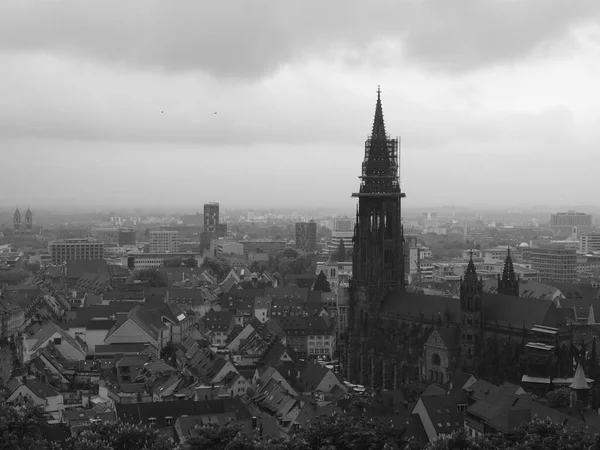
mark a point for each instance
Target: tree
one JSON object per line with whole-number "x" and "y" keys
{"x": 220, "y": 267}
{"x": 173, "y": 262}
{"x": 321, "y": 283}
{"x": 33, "y": 267}
{"x": 119, "y": 436}
{"x": 341, "y": 251}
{"x": 154, "y": 277}
{"x": 559, "y": 398}
{"x": 190, "y": 262}
{"x": 21, "y": 428}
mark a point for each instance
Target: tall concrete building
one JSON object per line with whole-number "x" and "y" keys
{"x": 164, "y": 241}
{"x": 563, "y": 224}
{"x": 211, "y": 217}
{"x": 75, "y": 249}
{"x": 430, "y": 219}
{"x": 343, "y": 224}
{"x": 554, "y": 263}
{"x": 306, "y": 236}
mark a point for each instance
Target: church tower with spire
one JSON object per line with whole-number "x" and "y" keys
{"x": 508, "y": 284}
{"x": 28, "y": 221}
{"x": 17, "y": 220}
{"x": 471, "y": 321}
{"x": 378, "y": 255}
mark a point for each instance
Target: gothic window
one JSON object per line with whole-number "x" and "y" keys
{"x": 435, "y": 359}
{"x": 477, "y": 302}
{"x": 469, "y": 321}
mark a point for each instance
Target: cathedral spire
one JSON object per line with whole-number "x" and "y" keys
{"x": 509, "y": 283}
{"x": 378, "y": 122}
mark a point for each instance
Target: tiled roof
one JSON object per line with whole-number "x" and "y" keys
{"x": 37, "y": 387}
{"x": 450, "y": 336}
{"x": 443, "y": 411}
{"x": 142, "y": 412}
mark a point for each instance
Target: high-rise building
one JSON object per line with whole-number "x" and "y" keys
{"x": 211, "y": 217}
{"x": 554, "y": 263}
{"x": 562, "y": 224}
{"x": 75, "y": 249}
{"x": 343, "y": 224}
{"x": 430, "y": 219}
{"x": 164, "y": 241}
{"x": 306, "y": 236}
{"x": 378, "y": 256}
{"x": 125, "y": 236}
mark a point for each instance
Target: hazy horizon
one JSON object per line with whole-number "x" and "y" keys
{"x": 112, "y": 105}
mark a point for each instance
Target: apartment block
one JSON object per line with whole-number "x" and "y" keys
{"x": 164, "y": 241}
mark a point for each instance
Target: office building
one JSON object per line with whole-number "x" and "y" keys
{"x": 75, "y": 249}
{"x": 554, "y": 263}
{"x": 164, "y": 241}
{"x": 563, "y": 224}
{"x": 590, "y": 243}
{"x": 125, "y": 236}
{"x": 211, "y": 217}
{"x": 306, "y": 236}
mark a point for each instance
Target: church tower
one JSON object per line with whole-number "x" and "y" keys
{"x": 28, "y": 221}
{"x": 508, "y": 284}
{"x": 17, "y": 220}
{"x": 471, "y": 295}
{"x": 378, "y": 257}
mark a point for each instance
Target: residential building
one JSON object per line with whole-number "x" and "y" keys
{"x": 344, "y": 224}
{"x": 218, "y": 325}
{"x": 306, "y": 236}
{"x": 554, "y": 263}
{"x": 309, "y": 336}
{"x": 211, "y": 217}
{"x": 40, "y": 394}
{"x": 75, "y": 249}
{"x": 164, "y": 241}
{"x": 562, "y": 224}
{"x": 140, "y": 325}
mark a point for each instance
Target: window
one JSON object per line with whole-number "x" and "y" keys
{"x": 435, "y": 359}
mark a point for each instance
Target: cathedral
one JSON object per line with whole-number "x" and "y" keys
{"x": 20, "y": 226}
{"x": 396, "y": 336}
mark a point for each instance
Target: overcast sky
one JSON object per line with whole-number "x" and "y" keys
{"x": 113, "y": 102}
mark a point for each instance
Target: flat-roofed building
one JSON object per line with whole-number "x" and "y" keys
{"x": 164, "y": 241}
{"x": 554, "y": 263}
{"x": 306, "y": 236}
{"x": 75, "y": 249}
{"x": 267, "y": 246}
{"x": 563, "y": 223}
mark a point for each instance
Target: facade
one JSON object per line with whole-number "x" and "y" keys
{"x": 75, "y": 249}
{"x": 590, "y": 243}
{"x": 378, "y": 257}
{"x": 306, "y": 236}
{"x": 554, "y": 263}
{"x": 125, "y": 236}
{"x": 336, "y": 237}
{"x": 563, "y": 223}
{"x": 211, "y": 217}
{"x": 164, "y": 241}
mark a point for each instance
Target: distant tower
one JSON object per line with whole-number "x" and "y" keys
{"x": 471, "y": 295}
{"x": 508, "y": 284}
{"x": 17, "y": 220}
{"x": 28, "y": 221}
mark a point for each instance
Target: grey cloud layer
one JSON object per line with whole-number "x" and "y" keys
{"x": 252, "y": 38}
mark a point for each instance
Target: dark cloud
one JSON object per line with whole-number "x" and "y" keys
{"x": 252, "y": 38}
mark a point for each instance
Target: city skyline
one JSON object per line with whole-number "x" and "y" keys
{"x": 492, "y": 107}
